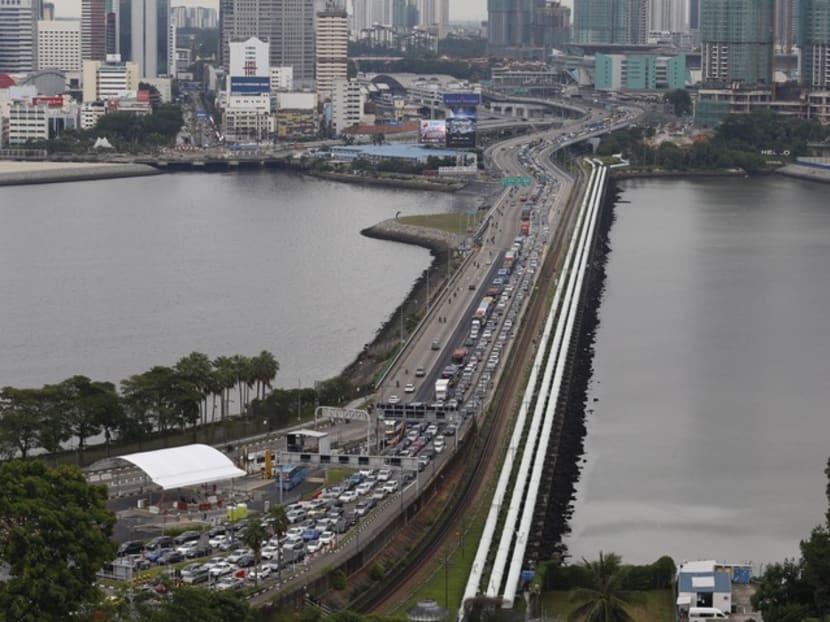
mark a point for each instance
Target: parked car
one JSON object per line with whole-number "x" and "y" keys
{"x": 221, "y": 569}
{"x": 237, "y": 555}
{"x": 350, "y": 496}
{"x": 171, "y": 556}
{"x": 130, "y": 547}
{"x": 186, "y": 536}
{"x": 246, "y": 561}
{"x": 158, "y": 543}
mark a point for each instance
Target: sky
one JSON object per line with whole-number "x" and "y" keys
{"x": 459, "y": 9}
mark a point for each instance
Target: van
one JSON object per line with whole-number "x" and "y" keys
{"x": 706, "y": 613}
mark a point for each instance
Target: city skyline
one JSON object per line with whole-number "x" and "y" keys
{"x": 459, "y": 9}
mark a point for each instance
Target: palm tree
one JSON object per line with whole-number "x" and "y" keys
{"x": 279, "y": 525}
{"x": 604, "y": 600}
{"x": 252, "y": 536}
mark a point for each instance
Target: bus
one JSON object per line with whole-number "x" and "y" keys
{"x": 392, "y": 430}
{"x": 291, "y": 476}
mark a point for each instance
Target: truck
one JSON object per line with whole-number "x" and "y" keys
{"x": 442, "y": 386}
{"x": 458, "y": 355}
{"x": 483, "y": 308}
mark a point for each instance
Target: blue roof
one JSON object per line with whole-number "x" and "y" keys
{"x": 400, "y": 151}
{"x": 722, "y": 582}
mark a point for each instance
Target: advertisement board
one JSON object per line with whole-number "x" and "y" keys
{"x": 432, "y": 131}
{"x": 461, "y": 126}
{"x": 249, "y": 85}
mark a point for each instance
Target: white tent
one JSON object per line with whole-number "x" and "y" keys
{"x": 190, "y": 465}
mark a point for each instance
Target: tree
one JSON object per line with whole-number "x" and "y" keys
{"x": 680, "y": 100}
{"x": 31, "y": 418}
{"x": 188, "y": 603}
{"x": 83, "y": 403}
{"x": 278, "y": 520}
{"x": 54, "y": 537}
{"x": 265, "y": 368}
{"x": 782, "y": 595}
{"x": 252, "y": 536}
{"x": 604, "y": 601}
{"x": 198, "y": 370}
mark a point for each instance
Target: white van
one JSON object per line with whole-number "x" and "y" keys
{"x": 706, "y": 613}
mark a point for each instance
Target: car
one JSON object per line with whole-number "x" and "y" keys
{"x": 310, "y": 534}
{"x": 228, "y": 583}
{"x": 362, "y": 508}
{"x": 228, "y": 545}
{"x": 217, "y": 540}
{"x": 393, "y": 399}
{"x": 432, "y": 429}
{"x": 436, "y": 345}
{"x": 313, "y": 547}
{"x": 221, "y": 569}
{"x": 384, "y": 474}
{"x": 187, "y": 546}
{"x": 237, "y": 555}
{"x": 379, "y": 494}
{"x": 269, "y": 552}
{"x": 246, "y": 561}
{"x": 170, "y": 556}
{"x": 200, "y": 550}
{"x": 349, "y": 496}
{"x": 186, "y": 536}
{"x": 131, "y": 547}
{"x": 390, "y": 486}
{"x": 409, "y": 388}
{"x": 263, "y": 572}
{"x": 420, "y": 372}
{"x": 365, "y": 488}
{"x": 197, "y": 573}
{"x": 158, "y": 543}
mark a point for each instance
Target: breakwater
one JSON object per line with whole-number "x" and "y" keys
{"x": 21, "y": 173}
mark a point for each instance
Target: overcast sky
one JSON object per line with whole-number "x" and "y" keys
{"x": 459, "y": 9}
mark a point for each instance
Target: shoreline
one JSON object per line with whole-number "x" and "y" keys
{"x": 621, "y": 174}
{"x": 14, "y": 173}
{"x": 412, "y": 183}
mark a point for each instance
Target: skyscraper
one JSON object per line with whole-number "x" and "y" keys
{"x": 144, "y": 35}
{"x": 59, "y": 45}
{"x": 18, "y": 35}
{"x": 93, "y": 29}
{"x": 737, "y": 41}
{"x": 785, "y": 24}
{"x": 332, "y": 43}
{"x": 509, "y": 23}
{"x": 610, "y": 21}
{"x": 814, "y": 40}
{"x": 287, "y": 25}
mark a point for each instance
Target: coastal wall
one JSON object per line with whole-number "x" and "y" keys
{"x": 20, "y": 173}
{"x": 807, "y": 169}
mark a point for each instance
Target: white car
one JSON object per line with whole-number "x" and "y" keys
{"x": 327, "y": 538}
{"x": 364, "y": 489}
{"x": 221, "y": 569}
{"x": 313, "y": 546}
{"x": 349, "y": 496}
{"x": 188, "y": 546}
{"x": 269, "y": 552}
{"x": 409, "y": 388}
{"x": 262, "y": 573}
{"x": 216, "y": 541}
{"x": 390, "y": 486}
{"x": 294, "y": 533}
{"x": 384, "y": 474}
{"x": 393, "y": 399}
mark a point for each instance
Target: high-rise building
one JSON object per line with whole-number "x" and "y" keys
{"x": 110, "y": 78}
{"x": 509, "y": 23}
{"x": 346, "y": 104}
{"x": 669, "y": 15}
{"x": 610, "y": 21}
{"x": 287, "y": 25}
{"x": 18, "y": 35}
{"x": 785, "y": 24}
{"x": 94, "y": 29}
{"x": 144, "y": 35}
{"x": 737, "y": 42}
{"x": 814, "y": 40}
{"x": 694, "y": 14}
{"x": 332, "y": 43}
{"x": 59, "y": 45}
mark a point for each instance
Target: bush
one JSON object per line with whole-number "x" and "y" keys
{"x": 338, "y": 580}
{"x": 376, "y": 573}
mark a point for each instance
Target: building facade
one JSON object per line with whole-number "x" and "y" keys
{"x": 59, "y": 45}
{"x": 332, "y": 49}
{"x": 737, "y": 42}
{"x": 18, "y": 35}
{"x": 111, "y": 78}
{"x": 145, "y": 34}
{"x": 640, "y": 72}
{"x": 346, "y": 104}
{"x": 610, "y": 21}
{"x": 814, "y": 41}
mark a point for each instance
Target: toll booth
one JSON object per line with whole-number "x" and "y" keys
{"x": 308, "y": 441}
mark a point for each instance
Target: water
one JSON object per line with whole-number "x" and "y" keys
{"x": 111, "y": 277}
{"x": 708, "y": 438}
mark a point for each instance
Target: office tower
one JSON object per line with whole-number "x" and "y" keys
{"x": 814, "y": 40}
{"x": 287, "y": 25}
{"x": 737, "y": 41}
{"x": 509, "y": 23}
{"x": 332, "y": 41}
{"x": 144, "y": 35}
{"x": 669, "y": 15}
{"x": 94, "y": 29}
{"x": 59, "y": 45}
{"x": 346, "y": 104}
{"x": 785, "y": 24}
{"x": 610, "y": 21}
{"x": 112, "y": 78}
{"x": 694, "y": 14}
{"x": 18, "y": 35}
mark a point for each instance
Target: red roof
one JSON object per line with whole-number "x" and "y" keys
{"x": 5, "y": 81}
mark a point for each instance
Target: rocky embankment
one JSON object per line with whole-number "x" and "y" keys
{"x": 434, "y": 239}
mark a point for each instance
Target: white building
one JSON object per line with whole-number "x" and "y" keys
{"x": 709, "y": 584}
{"x": 346, "y": 104}
{"x": 18, "y": 35}
{"x": 109, "y": 79}
{"x": 332, "y": 31}
{"x": 59, "y": 45}
{"x": 249, "y": 59}
{"x": 39, "y": 118}
{"x": 282, "y": 79}
{"x": 247, "y": 118}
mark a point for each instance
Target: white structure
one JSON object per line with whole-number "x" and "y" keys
{"x": 282, "y": 79}
{"x": 249, "y": 59}
{"x": 248, "y": 117}
{"x": 150, "y": 34}
{"x": 91, "y": 112}
{"x": 297, "y": 100}
{"x": 705, "y": 584}
{"x": 190, "y": 465}
{"x": 110, "y": 79}
{"x": 59, "y": 45}
{"x": 332, "y": 30}
{"x": 39, "y": 117}
{"x": 346, "y": 104}
{"x": 18, "y": 35}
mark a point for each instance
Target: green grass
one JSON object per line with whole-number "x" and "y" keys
{"x": 453, "y": 223}
{"x": 658, "y": 606}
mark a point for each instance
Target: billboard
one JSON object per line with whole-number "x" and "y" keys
{"x": 462, "y": 113}
{"x": 432, "y": 131}
{"x": 249, "y": 85}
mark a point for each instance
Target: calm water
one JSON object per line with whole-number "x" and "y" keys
{"x": 710, "y": 434}
{"x": 108, "y": 278}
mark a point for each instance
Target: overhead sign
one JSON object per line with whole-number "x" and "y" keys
{"x": 515, "y": 181}
{"x": 462, "y": 99}
{"x": 249, "y": 85}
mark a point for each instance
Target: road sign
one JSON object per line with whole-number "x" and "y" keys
{"x": 515, "y": 181}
